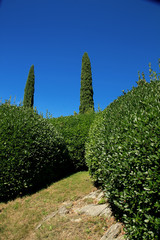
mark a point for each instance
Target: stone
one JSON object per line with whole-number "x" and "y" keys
{"x": 53, "y": 214}
{"x": 76, "y": 220}
{"x": 113, "y": 232}
{"x": 121, "y": 238}
{"x": 107, "y": 212}
{"x": 95, "y": 210}
{"x": 63, "y": 211}
{"x": 94, "y": 194}
{"x": 100, "y": 196}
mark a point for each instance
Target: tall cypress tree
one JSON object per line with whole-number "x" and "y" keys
{"x": 86, "y": 91}
{"x": 28, "y": 100}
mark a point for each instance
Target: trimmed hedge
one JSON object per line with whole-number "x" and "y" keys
{"x": 123, "y": 155}
{"x": 32, "y": 152}
{"x": 75, "y": 132}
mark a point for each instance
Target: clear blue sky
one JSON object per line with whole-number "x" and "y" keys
{"x": 121, "y": 37}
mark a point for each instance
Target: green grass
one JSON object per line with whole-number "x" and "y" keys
{"x": 19, "y": 218}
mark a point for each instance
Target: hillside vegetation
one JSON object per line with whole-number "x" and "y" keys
{"x": 120, "y": 146}
{"x": 32, "y": 152}
{"x": 75, "y": 130}
{"x": 123, "y": 156}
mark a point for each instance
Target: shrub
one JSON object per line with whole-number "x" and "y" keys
{"x": 32, "y": 152}
{"x": 75, "y": 132}
{"x": 123, "y": 155}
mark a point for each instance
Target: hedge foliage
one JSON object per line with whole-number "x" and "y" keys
{"x": 32, "y": 152}
{"x": 123, "y": 155}
{"x": 75, "y": 132}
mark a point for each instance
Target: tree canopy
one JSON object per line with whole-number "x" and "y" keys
{"x": 86, "y": 91}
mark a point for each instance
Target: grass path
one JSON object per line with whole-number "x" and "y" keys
{"x": 19, "y": 218}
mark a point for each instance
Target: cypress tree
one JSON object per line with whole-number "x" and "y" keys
{"x": 86, "y": 91}
{"x": 29, "y": 89}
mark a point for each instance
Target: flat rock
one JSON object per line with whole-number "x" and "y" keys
{"x": 121, "y": 238}
{"x": 76, "y": 220}
{"x": 51, "y": 215}
{"x": 113, "y": 232}
{"x": 106, "y": 212}
{"x": 95, "y": 210}
{"x": 96, "y": 194}
{"x": 63, "y": 211}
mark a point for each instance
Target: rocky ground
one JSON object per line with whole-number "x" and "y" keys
{"x": 94, "y": 204}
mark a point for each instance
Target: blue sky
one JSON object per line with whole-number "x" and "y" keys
{"x": 121, "y": 37}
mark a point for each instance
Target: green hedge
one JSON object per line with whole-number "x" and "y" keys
{"x": 32, "y": 152}
{"x": 75, "y": 132}
{"x": 123, "y": 155}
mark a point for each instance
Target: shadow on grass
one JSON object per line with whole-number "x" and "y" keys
{"x": 41, "y": 183}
